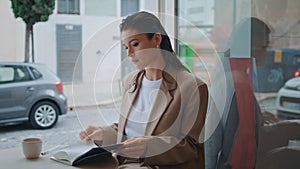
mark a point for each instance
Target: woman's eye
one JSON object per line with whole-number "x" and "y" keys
{"x": 135, "y": 44}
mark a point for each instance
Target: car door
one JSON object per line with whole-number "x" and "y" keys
{"x": 17, "y": 89}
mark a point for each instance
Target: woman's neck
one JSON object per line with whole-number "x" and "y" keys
{"x": 155, "y": 71}
{"x": 153, "y": 74}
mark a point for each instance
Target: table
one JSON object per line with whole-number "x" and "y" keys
{"x": 14, "y": 159}
{"x": 281, "y": 158}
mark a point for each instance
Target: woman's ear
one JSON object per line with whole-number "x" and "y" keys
{"x": 157, "y": 38}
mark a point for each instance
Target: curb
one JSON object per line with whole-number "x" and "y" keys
{"x": 112, "y": 103}
{"x": 265, "y": 96}
{"x": 103, "y": 104}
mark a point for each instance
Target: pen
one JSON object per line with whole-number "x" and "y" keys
{"x": 52, "y": 149}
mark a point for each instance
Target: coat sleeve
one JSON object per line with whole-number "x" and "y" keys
{"x": 188, "y": 144}
{"x": 109, "y": 134}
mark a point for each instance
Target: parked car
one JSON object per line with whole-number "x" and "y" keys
{"x": 288, "y": 99}
{"x": 297, "y": 73}
{"x": 30, "y": 93}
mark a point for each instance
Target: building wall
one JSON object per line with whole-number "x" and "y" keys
{"x": 283, "y": 17}
{"x": 101, "y": 56}
{"x": 101, "y": 48}
{"x": 94, "y": 47}
{"x": 7, "y": 32}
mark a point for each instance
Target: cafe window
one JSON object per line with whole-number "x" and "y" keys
{"x": 68, "y": 7}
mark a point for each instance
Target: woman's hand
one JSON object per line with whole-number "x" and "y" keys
{"x": 91, "y": 133}
{"x": 134, "y": 147}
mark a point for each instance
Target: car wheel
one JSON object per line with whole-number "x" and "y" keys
{"x": 43, "y": 115}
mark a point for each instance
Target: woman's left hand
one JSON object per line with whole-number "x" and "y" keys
{"x": 134, "y": 147}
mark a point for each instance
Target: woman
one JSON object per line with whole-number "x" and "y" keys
{"x": 163, "y": 105}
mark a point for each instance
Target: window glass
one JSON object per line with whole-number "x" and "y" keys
{"x": 208, "y": 28}
{"x": 195, "y": 23}
{"x": 35, "y": 73}
{"x": 68, "y": 7}
{"x": 204, "y": 32}
{"x": 21, "y": 74}
{"x": 62, "y": 6}
{"x": 129, "y": 6}
{"x": 6, "y": 74}
{"x": 13, "y": 74}
{"x": 101, "y": 7}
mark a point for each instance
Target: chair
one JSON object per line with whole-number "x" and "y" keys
{"x": 273, "y": 151}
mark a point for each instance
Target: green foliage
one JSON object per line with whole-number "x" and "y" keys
{"x": 32, "y": 11}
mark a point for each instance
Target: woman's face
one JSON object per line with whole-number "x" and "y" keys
{"x": 143, "y": 52}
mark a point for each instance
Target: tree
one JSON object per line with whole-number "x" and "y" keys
{"x": 32, "y": 11}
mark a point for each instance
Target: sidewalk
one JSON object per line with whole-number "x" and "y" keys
{"x": 265, "y": 96}
{"x": 101, "y": 94}
{"x": 104, "y": 94}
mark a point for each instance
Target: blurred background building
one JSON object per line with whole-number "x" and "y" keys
{"x": 81, "y": 42}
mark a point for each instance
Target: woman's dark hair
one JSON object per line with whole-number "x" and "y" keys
{"x": 149, "y": 24}
{"x": 241, "y": 38}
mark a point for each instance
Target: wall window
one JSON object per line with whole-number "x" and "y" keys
{"x": 101, "y": 7}
{"x": 68, "y": 7}
{"x": 129, "y": 7}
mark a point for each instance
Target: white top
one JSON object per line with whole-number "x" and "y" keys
{"x": 140, "y": 112}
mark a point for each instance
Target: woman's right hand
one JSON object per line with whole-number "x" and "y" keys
{"x": 91, "y": 133}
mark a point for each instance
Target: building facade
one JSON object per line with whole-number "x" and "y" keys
{"x": 80, "y": 39}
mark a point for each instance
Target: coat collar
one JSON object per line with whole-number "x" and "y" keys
{"x": 169, "y": 79}
{"x": 161, "y": 103}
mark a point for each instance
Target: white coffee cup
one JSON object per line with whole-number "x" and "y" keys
{"x": 32, "y": 147}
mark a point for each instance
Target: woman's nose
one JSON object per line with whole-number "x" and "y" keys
{"x": 129, "y": 52}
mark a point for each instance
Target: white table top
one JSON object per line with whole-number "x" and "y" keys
{"x": 14, "y": 159}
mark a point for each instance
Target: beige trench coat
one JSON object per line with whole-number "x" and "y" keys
{"x": 175, "y": 126}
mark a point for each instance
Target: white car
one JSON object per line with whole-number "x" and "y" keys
{"x": 288, "y": 99}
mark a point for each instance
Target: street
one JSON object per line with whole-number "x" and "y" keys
{"x": 67, "y": 129}
{"x": 65, "y": 132}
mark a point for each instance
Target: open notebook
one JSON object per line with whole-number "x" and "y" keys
{"x": 83, "y": 152}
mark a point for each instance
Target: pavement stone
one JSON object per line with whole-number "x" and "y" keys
{"x": 65, "y": 132}
{"x": 264, "y": 96}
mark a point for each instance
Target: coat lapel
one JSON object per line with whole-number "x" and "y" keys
{"x": 128, "y": 100}
{"x": 162, "y": 101}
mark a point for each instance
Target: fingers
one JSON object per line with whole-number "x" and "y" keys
{"x": 134, "y": 147}
{"x": 91, "y": 129}
{"x": 83, "y": 135}
{"x": 90, "y": 133}
{"x": 96, "y": 135}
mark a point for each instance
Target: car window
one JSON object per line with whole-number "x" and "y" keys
{"x": 35, "y": 72}
{"x": 21, "y": 74}
{"x": 14, "y": 74}
{"x": 6, "y": 74}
